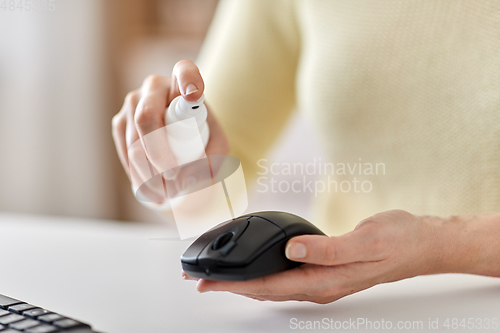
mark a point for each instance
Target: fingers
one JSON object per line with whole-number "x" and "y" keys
{"x": 150, "y": 112}
{"x": 314, "y": 283}
{"x": 284, "y": 283}
{"x": 149, "y": 120}
{"x": 129, "y": 107}
{"x": 125, "y": 134}
{"x": 295, "y": 297}
{"x": 274, "y": 298}
{"x": 362, "y": 244}
{"x": 134, "y": 159}
{"x": 218, "y": 143}
{"x": 137, "y": 167}
{"x": 187, "y": 81}
{"x": 187, "y": 277}
{"x": 142, "y": 120}
{"x": 119, "y": 126}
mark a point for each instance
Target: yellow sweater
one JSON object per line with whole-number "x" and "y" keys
{"x": 414, "y": 85}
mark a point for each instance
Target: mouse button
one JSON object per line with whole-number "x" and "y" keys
{"x": 219, "y": 240}
{"x": 291, "y": 224}
{"x": 257, "y": 238}
{"x": 222, "y": 240}
{"x": 190, "y": 256}
{"x": 300, "y": 228}
{"x": 238, "y": 228}
{"x": 224, "y": 251}
{"x": 281, "y": 219}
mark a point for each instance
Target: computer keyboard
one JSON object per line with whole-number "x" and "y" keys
{"x": 17, "y": 316}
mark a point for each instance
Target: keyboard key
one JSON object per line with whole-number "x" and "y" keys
{"x": 24, "y": 324}
{"x": 36, "y": 312}
{"x": 44, "y": 328}
{"x": 21, "y": 307}
{"x": 49, "y": 318}
{"x": 10, "y": 330}
{"x": 12, "y": 318}
{"x": 5, "y": 301}
{"x": 68, "y": 323}
{"x": 4, "y": 312}
{"x": 2, "y": 327}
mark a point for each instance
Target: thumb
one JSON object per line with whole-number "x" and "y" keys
{"x": 187, "y": 81}
{"x": 329, "y": 251}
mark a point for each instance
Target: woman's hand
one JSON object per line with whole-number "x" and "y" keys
{"x": 144, "y": 112}
{"x": 386, "y": 247}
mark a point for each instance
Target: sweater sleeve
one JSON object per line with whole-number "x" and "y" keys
{"x": 248, "y": 62}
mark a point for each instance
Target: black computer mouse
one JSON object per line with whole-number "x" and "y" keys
{"x": 246, "y": 247}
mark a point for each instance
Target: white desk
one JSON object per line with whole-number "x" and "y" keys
{"x": 122, "y": 279}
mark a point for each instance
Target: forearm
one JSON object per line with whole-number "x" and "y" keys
{"x": 466, "y": 244}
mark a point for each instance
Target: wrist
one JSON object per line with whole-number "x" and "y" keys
{"x": 465, "y": 244}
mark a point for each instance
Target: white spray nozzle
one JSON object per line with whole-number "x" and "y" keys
{"x": 186, "y": 108}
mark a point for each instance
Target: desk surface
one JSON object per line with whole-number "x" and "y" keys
{"x": 126, "y": 278}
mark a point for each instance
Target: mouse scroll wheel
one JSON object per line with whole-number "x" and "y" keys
{"x": 222, "y": 240}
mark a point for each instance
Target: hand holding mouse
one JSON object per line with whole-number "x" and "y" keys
{"x": 386, "y": 247}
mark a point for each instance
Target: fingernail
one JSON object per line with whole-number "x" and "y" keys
{"x": 188, "y": 182}
{"x": 191, "y": 89}
{"x": 296, "y": 251}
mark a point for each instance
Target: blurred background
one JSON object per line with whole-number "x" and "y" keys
{"x": 65, "y": 73}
